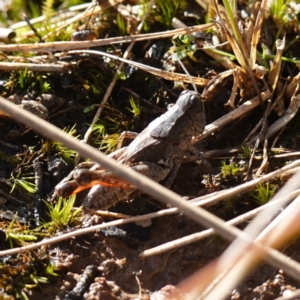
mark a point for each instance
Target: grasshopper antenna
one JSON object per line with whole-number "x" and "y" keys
{"x": 186, "y": 72}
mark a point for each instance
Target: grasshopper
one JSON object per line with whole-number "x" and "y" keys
{"x": 156, "y": 152}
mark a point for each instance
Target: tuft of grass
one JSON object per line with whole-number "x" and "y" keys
{"x": 23, "y": 273}
{"x": 45, "y": 88}
{"x": 33, "y": 8}
{"x": 135, "y": 108}
{"x": 263, "y": 193}
{"x": 121, "y": 75}
{"x": 246, "y": 151}
{"x": 66, "y": 153}
{"x": 24, "y": 79}
{"x": 229, "y": 23}
{"x": 15, "y": 232}
{"x": 36, "y": 281}
{"x": 62, "y": 214}
{"x": 99, "y": 128}
{"x": 121, "y": 25}
{"x": 278, "y": 8}
{"x": 44, "y": 85}
{"x": 21, "y": 181}
{"x": 109, "y": 142}
{"x": 168, "y": 9}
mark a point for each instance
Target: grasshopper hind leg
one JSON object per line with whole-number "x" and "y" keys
{"x": 103, "y": 197}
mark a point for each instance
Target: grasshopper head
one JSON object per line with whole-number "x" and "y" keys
{"x": 191, "y": 100}
{"x": 192, "y": 105}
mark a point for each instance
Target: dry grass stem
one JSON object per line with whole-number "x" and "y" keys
{"x": 157, "y": 72}
{"x": 55, "y": 19}
{"x": 16, "y": 66}
{"x": 195, "y": 237}
{"x": 284, "y": 120}
{"x": 260, "y": 138}
{"x": 276, "y": 67}
{"x": 233, "y": 115}
{"x": 245, "y": 187}
{"x": 217, "y": 153}
{"x": 297, "y": 153}
{"x": 106, "y": 213}
{"x": 292, "y": 86}
{"x": 256, "y": 33}
{"x": 66, "y": 46}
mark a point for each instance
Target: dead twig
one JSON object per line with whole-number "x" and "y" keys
{"x": 72, "y": 10}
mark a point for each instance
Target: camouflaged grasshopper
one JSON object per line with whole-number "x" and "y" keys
{"x": 156, "y": 152}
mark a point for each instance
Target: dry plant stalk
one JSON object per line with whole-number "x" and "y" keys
{"x": 43, "y": 67}
{"x": 157, "y": 72}
{"x": 57, "y": 18}
{"x": 276, "y": 67}
{"x": 195, "y": 237}
{"x": 283, "y": 120}
{"x": 256, "y": 33}
{"x": 73, "y": 45}
{"x": 233, "y": 115}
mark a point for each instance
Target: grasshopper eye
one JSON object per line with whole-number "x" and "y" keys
{"x": 196, "y": 103}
